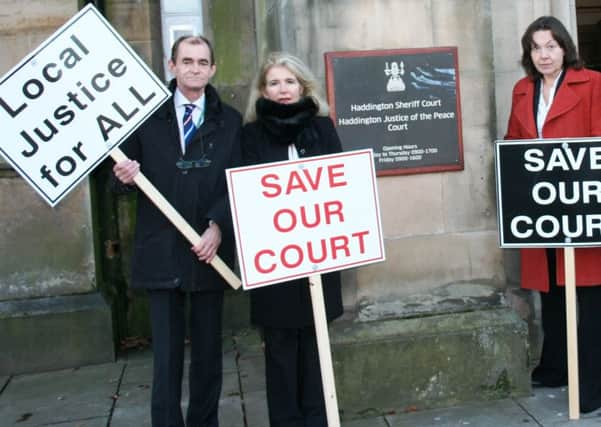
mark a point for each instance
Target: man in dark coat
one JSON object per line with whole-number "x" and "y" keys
{"x": 183, "y": 149}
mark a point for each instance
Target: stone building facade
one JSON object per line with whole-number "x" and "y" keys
{"x": 441, "y": 320}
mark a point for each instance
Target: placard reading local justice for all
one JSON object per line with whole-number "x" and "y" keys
{"x": 549, "y": 192}
{"x": 72, "y": 100}
{"x": 303, "y": 217}
{"x": 403, "y": 103}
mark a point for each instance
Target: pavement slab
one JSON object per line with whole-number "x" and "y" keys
{"x": 229, "y": 361}
{"x": 230, "y": 412}
{"x": 252, "y": 374}
{"x": 248, "y": 343}
{"x": 132, "y": 407}
{"x": 139, "y": 373}
{"x": 503, "y": 413}
{"x": 255, "y": 407}
{"x": 366, "y": 422}
{"x": 67, "y": 396}
{"x": 547, "y": 405}
{"x": 550, "y": 407}
{"x": 118, "y": 395}
{"x": 92, "y": 422}
{"x": 230, "y": 386}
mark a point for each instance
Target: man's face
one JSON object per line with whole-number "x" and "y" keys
{"x": 192, "y": 67}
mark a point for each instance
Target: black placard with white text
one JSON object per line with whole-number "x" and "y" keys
{"x": 549, "y": 192}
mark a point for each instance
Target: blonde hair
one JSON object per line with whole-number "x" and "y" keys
{"x": 310, "y": 86}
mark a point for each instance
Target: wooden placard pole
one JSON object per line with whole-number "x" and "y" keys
{"x": 572, "y": 334}
{"x": 323, "y": 347}
{"x": 176, "y": 219}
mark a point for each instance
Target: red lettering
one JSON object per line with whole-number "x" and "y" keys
{"x": 299, "y": 255}
{"x": 294, "y": 255}
{"x": 333, "y": 207}
{"x": 332, "y": 175}
{"x": 295, "y": 183}
{"x": 277, "y": 222}
{"x": 305, "y": 180}
{"x": 339, "y": 243}
{"x": 260, "y": 269}
{"x": 360, "y": 235}
{"x": 317, "y": 216}
{"x": 312, "y": 256}
{"x": 314, "y": 184}
{"x": 277, "y": 190}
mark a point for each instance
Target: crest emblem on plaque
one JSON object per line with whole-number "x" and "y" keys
{"x": 394, "y": 71}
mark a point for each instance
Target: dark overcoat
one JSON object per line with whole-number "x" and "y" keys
{"x": 162, "y": 257}
{"x": 288, "y": 304}
{"x": 575, "y": 112}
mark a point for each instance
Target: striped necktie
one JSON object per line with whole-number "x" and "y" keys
{"x": 189, "y": 126}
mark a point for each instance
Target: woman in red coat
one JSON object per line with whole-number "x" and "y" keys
{"x": 560, "y": 99}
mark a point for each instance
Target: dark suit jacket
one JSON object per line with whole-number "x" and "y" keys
{"x": 288, "y": 304}
{"x": 162, "y": 256}
{"x": 575, "y": 112}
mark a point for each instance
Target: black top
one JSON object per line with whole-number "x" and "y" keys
{"x": 197, "y": 190}
{"x": 288, "y": 304}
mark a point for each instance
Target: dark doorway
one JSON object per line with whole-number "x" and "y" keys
{"x": 588, "y": 16}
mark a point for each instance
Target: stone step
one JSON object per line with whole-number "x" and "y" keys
{"x": 429, "y": 362}
{"x": 46, "y": 334}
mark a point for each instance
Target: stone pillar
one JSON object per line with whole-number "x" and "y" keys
{"x": 51, "y": 315}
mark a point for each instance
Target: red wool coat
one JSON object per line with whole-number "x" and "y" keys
{"x": 575, "y": 112}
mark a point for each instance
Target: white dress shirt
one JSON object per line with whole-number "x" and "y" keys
{"x": 180, "y": 102}
{"x": 543, "y": 108}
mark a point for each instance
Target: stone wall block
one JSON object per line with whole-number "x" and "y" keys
{"x": 429, "y": 362}
{"x": 424, "y": 263}
{"x": 469, "y": 201}
{"x": 45, "y": 251}
{"x": 411, "y": 204}
{"x": 41, "y": 15}
{"x": 465, "y": 24}
{"x": 477, "y": 97}
{"x": 46, "y": 334}
{"x": 131, "y": 18}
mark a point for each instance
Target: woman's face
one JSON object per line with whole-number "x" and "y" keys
{"x": 281, "y": 85}
{"x": 546, "y": 54}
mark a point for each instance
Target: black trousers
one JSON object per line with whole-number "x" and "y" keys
{"x": 167, "y": 312}
{"x": 293, "y": 378}
{"x": 552, "y": 368}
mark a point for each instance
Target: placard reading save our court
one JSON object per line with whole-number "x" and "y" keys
{"x": 303, "y": 217}
{"x": 68, "y": 103}
{"x": 549, "y": 192}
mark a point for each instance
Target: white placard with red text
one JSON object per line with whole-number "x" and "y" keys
{"x": 307, "y": 216}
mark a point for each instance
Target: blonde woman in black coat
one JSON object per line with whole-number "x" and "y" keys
{"x": 286, "y": 118}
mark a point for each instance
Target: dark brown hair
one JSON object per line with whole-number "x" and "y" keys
{"x": 192, "y": 40}
{"x": 560, "y": 35}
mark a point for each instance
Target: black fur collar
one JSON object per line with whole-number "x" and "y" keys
{"x": 285, "y": 121}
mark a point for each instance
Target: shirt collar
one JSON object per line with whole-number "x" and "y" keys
{"x": 180, "y": 100}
